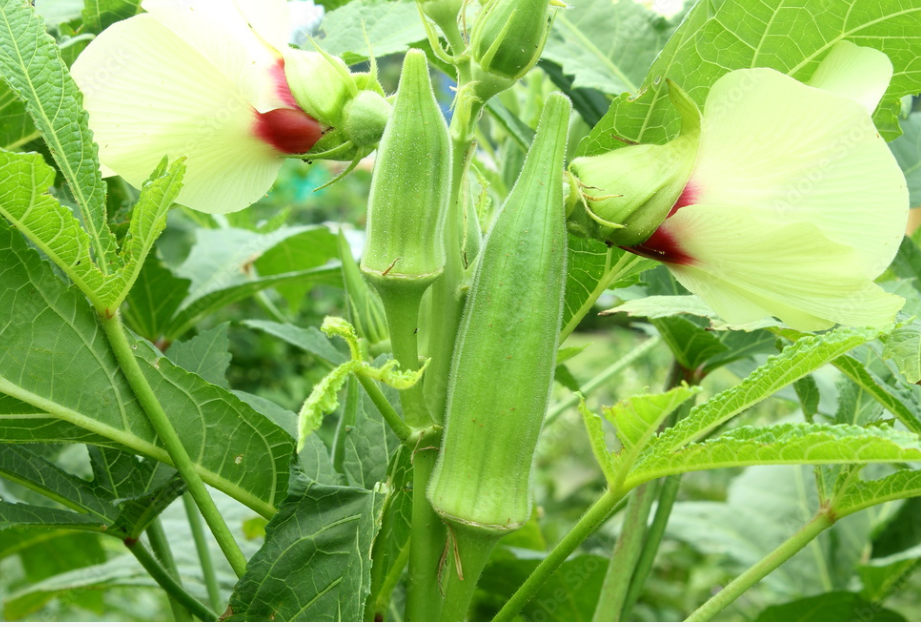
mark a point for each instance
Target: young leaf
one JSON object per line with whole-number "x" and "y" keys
{"x": 32, "y": 65}
{"x": 795, "y": 362}
{"x": 781, "y": 444}
{"x": 316, "y": 561}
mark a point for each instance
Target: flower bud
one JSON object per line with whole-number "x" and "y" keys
{"x": 621, "y": 197}
{"x": 441, "y": 11}
{"x": 409, "y": 187}
{"x": 321, "y": 84}
{"x": 365, "y": 118}
{"x": 509, "y": 36}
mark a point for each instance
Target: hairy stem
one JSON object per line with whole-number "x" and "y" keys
{"x": 626, "y": 553}
{"x": 771, "y": 562}
{"x": 427, "y": 542}
{"x": 593, "y": 518}
{"x": 380, "y": 401}
{"x": 162, "y": 551}
{"x": 121, "y": 346}
{"x": 468, "y": 551}
{"x": 172, "y": 587}
{"x": 204, "y": 555}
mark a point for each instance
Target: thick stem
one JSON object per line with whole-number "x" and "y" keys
{"x": 468, "y": 552}
{"x": 204, "y": 555}
{"x": 427, "y": 542}
{"x": 667, "y": 496}
{"x": 593, "y": 518}
{"x": 121, "y": 347}
{"x": 771, "y": 562}
{"x": 162, "y": 551}
{"x": 625, "y": 556}
{"x": 172, "y": 587}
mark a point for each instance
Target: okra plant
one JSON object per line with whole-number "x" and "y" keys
{"x": 447, "y": 310}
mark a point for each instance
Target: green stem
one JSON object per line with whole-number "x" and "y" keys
{"x": 667, "y": 496}
{"x": 603, "y": 377}
{"x": 162, "y": 552}
{"x": 593, "y": 518}
{"x": 427, "y": 541}
{"x": 401, "y": 304}
{"x": 204, "y": 554}
{"x": 625, "y": 556}
{"x": 172, "y": 587}
{"x": 468, "y": 552}
{"x": 380, "y": 401}
{"x": 118, "y": 340}
{"x": 763, "y": 568}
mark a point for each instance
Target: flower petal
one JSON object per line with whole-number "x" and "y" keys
{"x": 855, "y": 72}
{"x": 221, "y": 33}
{"x": 150, "y": 94}
{"x": 795, "y": 153}
{"x": 746, "y": 268}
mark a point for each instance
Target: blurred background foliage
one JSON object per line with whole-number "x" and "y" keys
{"x": 724, "y": 521}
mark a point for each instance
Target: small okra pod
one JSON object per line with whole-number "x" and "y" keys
{"x": 505, "y": 354}
{"x": 409, "y": 188}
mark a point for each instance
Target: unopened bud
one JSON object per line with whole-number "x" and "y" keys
{"x": 621, "y": 197}
{"x": 509, "y": 36}
{"x": 365, "y": 118}
{"x": 321, "y": 84}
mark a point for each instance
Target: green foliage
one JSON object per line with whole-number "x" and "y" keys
{"x": 907, "y": 150}
{"x": 845, "y": 607}
{"x": 387, "y": 26}
{"x": 100, "y": 14}
{"x": 316, "y": 559}
{"x": 16, "y": 126}
{"x": 51, "y": 330}
{"x": 722, "y": 35}
{"x": 206, "y": 355}
{"x": 32, "y": 65}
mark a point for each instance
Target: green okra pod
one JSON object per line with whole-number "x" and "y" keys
{"x": 506, "y": 349}
{"x": 410, "y": 187}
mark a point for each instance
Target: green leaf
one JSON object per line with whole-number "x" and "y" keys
{"x": 795, "y": 362}
{"x": 32, "y": 65}
{"x": 606, "y": 45}
{"x": 568, "y": 595}
{"x": 907, "y": 151}
{"x": 50, "y": 330}
{"x": 16, "y": 126}
{"x": 25, "y": 202}
{"x": 904, "y": 347}
{"x": 786, "y": 444}
{"x": 308, "y": 248}
{"x": 22, "y": 515}
{"x": 863, "y": 494}
{"x": 833, "y": 607}
{"x": 869, "y": 382}
{"x": 139, "y": 512}
{"x": 154, "y": 299}
{"x": 593, "y": 268}
{"x": 390, "y": 27}
{"x": 369, "y": 444}
{"x": 690, "y": 344}
{"x": 902, "y": 532}
{"x": 24, "y": 424}
{"x": 100, "y": 14}
{"x": 206, "y": 355}
{"x": 807, "y": 391}
{"x": 29, "y": 468}
{"x": 315, "y": 564}
{"x": 907, "y": 262}
{"x": 718, "y": 36}
{"x": 310, "y": 340}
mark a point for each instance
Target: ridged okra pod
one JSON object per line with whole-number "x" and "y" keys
{"x": 410, "y": 187}
{"x": 406, "y": 208}
{"x": 506, "y": 349}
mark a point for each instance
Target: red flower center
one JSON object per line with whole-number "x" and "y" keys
{"x": 290, "y": 131}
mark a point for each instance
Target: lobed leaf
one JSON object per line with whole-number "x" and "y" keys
{"x": 781, "y": 445}
{"x": 32, "y": 65}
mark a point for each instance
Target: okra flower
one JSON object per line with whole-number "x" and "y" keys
{"x": 207, "y": 81}
{"x": 793, "y": 204}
